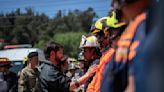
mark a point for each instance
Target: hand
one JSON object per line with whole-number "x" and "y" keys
{"x": 92, "y": 70}
{"x": 121, "y": 55}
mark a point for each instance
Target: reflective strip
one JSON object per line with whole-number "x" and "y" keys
{"x": 132, "y": 52}
{"x": 95, "y": 84}
{"x": 129, "y": 32}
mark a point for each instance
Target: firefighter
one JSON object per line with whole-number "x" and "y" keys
{"x": 114, "y": 31}
{"x": 123, "y": 73}
{"x": 51, "y": 78}
{"x": 92, "y": 52}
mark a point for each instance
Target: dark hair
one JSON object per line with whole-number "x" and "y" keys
{"x": 51, "y": 46}
{"x": 32, "y": 54}
{"x": 123, "y": 2}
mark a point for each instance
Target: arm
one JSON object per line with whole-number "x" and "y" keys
{"x": 130, "y": 86}
{"x": 22, "y": 83}
{"x": 84, "y": 78}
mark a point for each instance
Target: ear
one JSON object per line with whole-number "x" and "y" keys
{"x": 52, "y": 54}
{"x": 29, "y": 60}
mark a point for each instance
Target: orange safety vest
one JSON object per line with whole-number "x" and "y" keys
{"x": 95, "y": 84}
{"x": 128, "y": 34}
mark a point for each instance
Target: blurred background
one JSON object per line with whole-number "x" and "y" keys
{"x": 37, "y": 21}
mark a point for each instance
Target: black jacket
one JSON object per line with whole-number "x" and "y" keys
{"x": 51, "y": 78}
{"x": 8, "y": 82}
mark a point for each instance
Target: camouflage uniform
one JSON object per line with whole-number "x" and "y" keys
{"x": 27, "y": 80}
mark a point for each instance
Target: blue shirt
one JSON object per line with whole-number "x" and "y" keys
{"x": 115, "y": 76}
{"x": 90, "y": 79}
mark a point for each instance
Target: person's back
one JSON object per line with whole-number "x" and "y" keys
{"x": 150, "y": 56}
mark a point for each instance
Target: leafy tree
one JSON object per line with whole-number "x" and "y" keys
{"x": 70, "y": 41}
{"x": 36, "y": 29}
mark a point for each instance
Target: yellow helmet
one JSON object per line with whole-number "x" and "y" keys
{"x": 104, "y": 23}
{"x": 108, "y": 26}
{"x": 113, "y": 22}
{"x": 99, "y": 25}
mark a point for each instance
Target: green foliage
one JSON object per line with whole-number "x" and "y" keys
{"x": 36, "y": 29}
{"x": 70, "y": 41}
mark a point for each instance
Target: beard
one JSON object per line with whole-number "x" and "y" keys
{"x": 57, "y": 58}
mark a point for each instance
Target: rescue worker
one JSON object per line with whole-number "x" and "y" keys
{"x": 121, "y": 76}
{"x": 51, "y": 78}
{"x": 8, "y": 79}
{"x": 100, "y": 31}
{"x": 115, "y": 31}
{"x": 92, "y": 52}
{"x": 148, "y": 61}
{"x": 28, "y": 75}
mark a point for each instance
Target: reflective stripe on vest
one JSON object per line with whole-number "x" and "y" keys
{"x": 95, "y": 84}
{"x": 128, "y": 34}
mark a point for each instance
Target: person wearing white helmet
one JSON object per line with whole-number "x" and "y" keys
{"x": 51, "y": 79}
{"x": 109, "y": 28}
{"x": 91, "y": 49}
{"x": 92, "y": 52}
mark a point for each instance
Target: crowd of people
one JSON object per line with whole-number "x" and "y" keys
{"x": 110, "y": 59}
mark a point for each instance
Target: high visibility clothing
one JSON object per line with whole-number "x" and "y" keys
{"x": 94, "y": 86}
{"x": 115, "y": 78}
{"x": 125, "y": 41}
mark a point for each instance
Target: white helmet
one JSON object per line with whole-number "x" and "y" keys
{"x": 90, "y": 41}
